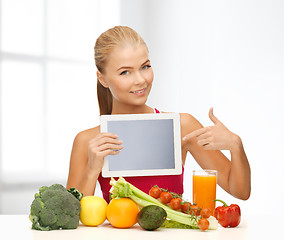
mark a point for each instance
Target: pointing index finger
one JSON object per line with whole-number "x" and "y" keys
{"x": 195, "y": 133}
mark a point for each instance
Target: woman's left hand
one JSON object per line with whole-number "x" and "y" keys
{"x": 216, "y": 137}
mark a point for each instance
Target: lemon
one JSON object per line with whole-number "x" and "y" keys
{"x": 93, "y": 210}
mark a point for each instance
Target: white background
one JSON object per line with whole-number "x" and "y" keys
{"x": 225, "y": 54}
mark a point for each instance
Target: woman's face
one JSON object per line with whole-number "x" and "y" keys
{"x": 128, "y": 75}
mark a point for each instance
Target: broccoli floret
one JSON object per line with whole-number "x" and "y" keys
{"x": 37, "y": 206}
{"x": 58, "y": 187}
{"x": 55, "y": 207}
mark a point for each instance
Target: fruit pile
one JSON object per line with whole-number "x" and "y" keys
{"x": 121, "y": 213}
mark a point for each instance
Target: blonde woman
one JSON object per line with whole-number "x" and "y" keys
{"x": 124, "y": 81}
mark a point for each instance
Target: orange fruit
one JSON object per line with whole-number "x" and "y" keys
{"x": 122, "y": 212}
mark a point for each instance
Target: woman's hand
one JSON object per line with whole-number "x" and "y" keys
{"x": 216, "y": 137}
{"x": 102, "y": 145}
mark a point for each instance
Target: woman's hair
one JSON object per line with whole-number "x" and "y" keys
{"x": 119, "y": 36}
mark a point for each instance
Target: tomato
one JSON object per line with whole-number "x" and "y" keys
{"x": 122, "y": 212}
{"x": 205, "y": 212}
{"x": 203, "y": 224}
{"x": 185, "y": 207}
{"x": 175, "y": 203}
{"x": 155, "y": 192}
{"x": 166, "y": 197}
{"x": 195, "y": 209}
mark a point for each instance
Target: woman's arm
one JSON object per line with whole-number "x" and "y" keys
{"x": 81, "y": 176}
{"x": 205, "y": 143}
{"x": 87, "y": 158}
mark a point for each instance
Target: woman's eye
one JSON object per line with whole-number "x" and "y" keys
{"x": 146, "y": 67}
{"x": 124, "y": 73}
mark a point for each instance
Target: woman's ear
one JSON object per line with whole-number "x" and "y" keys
{"x": 101, "y": 79}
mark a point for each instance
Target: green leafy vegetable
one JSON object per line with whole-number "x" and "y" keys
{"x": 76, "y": 193}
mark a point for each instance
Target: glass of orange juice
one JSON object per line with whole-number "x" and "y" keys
{"x": 204, "y": 188}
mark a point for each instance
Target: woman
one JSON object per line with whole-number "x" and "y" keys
{"x": 124, "y": 80}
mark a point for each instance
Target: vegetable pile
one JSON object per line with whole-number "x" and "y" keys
{"x": 55, "y": 207}
{"x": 177, "y": 219}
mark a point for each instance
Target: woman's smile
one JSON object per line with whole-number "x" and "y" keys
{"x": 140, "y": 92}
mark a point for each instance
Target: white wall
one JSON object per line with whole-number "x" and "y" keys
{"x": 47, "y": 90}
{"x": 225, "y": 54}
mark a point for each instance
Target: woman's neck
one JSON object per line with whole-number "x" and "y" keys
{"x": 130, "y": 109}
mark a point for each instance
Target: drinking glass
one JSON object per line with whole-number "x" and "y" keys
{"x": 204, "y": 188}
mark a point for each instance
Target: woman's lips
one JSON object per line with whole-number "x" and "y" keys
{"x": 140, "y": 92}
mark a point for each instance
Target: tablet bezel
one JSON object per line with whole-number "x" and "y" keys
{"x": 106, "y": 172}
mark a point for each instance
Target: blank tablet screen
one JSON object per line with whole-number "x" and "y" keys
{"x": 148, "y": 144}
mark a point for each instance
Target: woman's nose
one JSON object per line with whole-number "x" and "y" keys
{"x": 139, "y": 78}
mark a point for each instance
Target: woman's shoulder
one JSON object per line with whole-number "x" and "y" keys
{"x": 88, "y": 134}
{"x": 187, "y": 118}
{"x": 188, "y": 123}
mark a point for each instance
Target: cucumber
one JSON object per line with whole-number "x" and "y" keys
{"x": 151, "y": 217}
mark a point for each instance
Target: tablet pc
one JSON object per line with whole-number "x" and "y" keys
{"x": 152, "y": 144}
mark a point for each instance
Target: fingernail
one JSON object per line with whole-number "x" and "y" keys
{"x": 184, "y": 138}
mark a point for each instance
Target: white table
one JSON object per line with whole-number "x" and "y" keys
{"x": 251, "y": 227}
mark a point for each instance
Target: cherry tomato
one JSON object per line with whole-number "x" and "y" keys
{"x": 155, "y": 192}
{"x": 206, "y": 212}
{"x": 203, "y": 224}
{"x": 175, "y": 203}
{"x": 166, "y": 197}
{"x": 185, "y": 207}
{"x": 195, "y": 209}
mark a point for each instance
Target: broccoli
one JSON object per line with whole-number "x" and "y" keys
{"x": 55, "y": 207}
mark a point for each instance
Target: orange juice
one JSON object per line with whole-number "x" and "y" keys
{"x": 204, "y": 188}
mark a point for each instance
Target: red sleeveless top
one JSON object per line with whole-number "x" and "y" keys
{"x": 173, "y": 183}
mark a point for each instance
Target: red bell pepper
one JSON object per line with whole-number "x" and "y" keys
{"x": 228, "y": 216}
